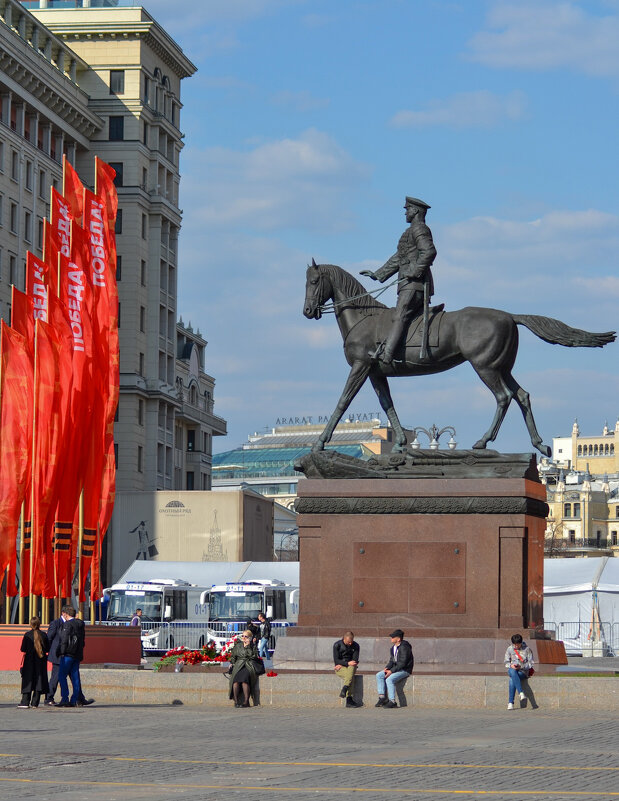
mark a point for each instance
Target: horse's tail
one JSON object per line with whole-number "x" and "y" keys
{"x": 558, "y": 333}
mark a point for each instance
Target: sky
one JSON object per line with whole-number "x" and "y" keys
{"x": 307, "y": 124}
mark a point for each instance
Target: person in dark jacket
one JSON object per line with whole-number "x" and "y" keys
{"x": 346, "y": 660}
{"x": 243, "y": 678}
{"x": 53, "y": 635}
{"x": 399, "y": 667}
{"x": 71, "y": 651}
{"x": 265, "y": 634}
{"x": 34, "y": 647}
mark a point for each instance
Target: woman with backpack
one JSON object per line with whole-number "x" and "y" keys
{"x": 35, "y": 648}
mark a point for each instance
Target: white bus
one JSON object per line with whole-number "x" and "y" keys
{"x": 231, "y": 605}
{"x": 177, "y": 613}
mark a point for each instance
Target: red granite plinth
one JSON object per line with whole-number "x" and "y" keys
{"x": 436, "y": 557}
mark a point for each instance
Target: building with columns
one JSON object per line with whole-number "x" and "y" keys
{"x": 105, "y": 80}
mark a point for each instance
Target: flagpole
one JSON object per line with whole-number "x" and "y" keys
{"x": 22, "y": 601}
{"x": 80, "y": 543}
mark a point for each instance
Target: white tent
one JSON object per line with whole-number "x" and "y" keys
{"x": 581, "y": 602}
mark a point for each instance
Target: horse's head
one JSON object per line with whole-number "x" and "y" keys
{"x": 317, "y": 291}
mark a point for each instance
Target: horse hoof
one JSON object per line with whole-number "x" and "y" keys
{"x": 480, "y": 445}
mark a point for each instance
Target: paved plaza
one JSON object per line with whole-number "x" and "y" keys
{"x": 110, "y": 752}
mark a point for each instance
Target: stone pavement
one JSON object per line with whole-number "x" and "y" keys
{"x": 163, "y": 752}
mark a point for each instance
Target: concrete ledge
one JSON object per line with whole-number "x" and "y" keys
{"x": 290, "y": 691}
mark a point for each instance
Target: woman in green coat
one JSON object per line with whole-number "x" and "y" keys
{"x": 243, "y": 679}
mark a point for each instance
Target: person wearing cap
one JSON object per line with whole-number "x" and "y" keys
{"x": 399, "y": 667}
{"x": 412, "y": 262}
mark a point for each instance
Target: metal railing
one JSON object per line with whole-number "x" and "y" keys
{"x": 586, "y": 639}
{"x": 165, "y": 636}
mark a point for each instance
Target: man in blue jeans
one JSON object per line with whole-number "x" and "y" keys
{"x": 399, "y": 667}
{"x": 71, "y": 652}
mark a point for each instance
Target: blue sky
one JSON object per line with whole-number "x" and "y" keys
{"x": 306, "y": 125}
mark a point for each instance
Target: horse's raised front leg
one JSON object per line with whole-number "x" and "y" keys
{"x": 356, "y": 379}
{"x": 497, "y": 384}
{"x": 381, "y": 387}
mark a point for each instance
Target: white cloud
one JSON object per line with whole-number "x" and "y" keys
{"x": 544, "y": 35}
{"x": 480, "y": 109}
{"x": 300, "y": 183}
{"x": 299, "y": 101}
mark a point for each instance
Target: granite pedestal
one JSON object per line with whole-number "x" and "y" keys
{"x": 455, "y": 562}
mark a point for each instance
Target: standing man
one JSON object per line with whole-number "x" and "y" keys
{"x": 412, "y": 262}
{"x": 71, "y": 651}
{"x": 399, "y": 667}
{"x": 346, "y": 660}
{"x": 136, "y": 620}
{"x": 53, "y": 635}
{"x": 265, "y": 634}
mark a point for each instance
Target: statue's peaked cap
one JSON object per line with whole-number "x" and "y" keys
{"x": 414, "y": 201}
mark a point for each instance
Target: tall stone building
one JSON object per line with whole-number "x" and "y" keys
{"x": 105, "y": 80}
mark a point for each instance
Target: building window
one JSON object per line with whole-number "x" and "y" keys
{"x": 119, "y": 267}
{"x": 576, "y": 510}
{"x": 116, "y": 456}
{"x": 119, "y": 314}
{"x": 145, "y": 134}
{"x": 141, "y": 364}
{"x": 118, "y": 227}
{"x": 191, "y": 439}
{"x": 118, "y": 166}
{"x": 14, "y": 165}
{"x": 116, "y": 129}
{"x": 1, "y": 209}
{"x": 140, "y": 455}
{"x": 29, "y": 175}
{"x": 190, "y": 478}
{"x": 144, "y": 178}
{"x": 142, "y": 319}
{"x": 117, "y": 82}
{"x": 13, "y": 222}
{"x": 572, "y": 536}
{"x": 40, "y": 234}
{"x": 140, "y": 412}
{"x": 143, "y": 273}
{"x": 12, "y": 270}
{"x": 42, "y": 184}
{"x": 27, "y": 226}
{"x": 613, "y": 537}
{"x": 1, "y": 156}
{"x": 144, "y": 226}
{"x": 567, "y": 510}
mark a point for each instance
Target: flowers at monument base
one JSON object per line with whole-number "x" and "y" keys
{"x": 210, "y": 653}
{"x": 271, "y": 673}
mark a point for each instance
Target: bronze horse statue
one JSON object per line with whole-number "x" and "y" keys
{"x": 487, "y": 338}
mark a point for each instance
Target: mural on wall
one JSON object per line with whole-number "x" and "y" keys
{"x": 215, "y": 551}
{"x": 145, "y": 548}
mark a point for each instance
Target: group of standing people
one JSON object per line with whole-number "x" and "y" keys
{"x": 63, "y": 647}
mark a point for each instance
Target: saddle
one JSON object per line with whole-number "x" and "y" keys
{"x": 415, "y": 329}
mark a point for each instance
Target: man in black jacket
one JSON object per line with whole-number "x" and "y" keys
{"x": 346, "y": 659}
{"x": 71, "y": 652}
{"x": 265, "y": 635}
{"x": 399, "y": 667}
{"x": 53, "y": 635}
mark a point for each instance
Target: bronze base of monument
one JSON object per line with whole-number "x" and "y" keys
{"x": 440, "y": 558}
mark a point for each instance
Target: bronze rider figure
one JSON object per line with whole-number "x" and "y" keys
{"x": 412, "y": 262}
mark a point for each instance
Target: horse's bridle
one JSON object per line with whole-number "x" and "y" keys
{"x": 329, "y": 308}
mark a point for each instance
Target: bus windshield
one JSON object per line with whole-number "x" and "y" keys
{"x": 235, "y": 605}
{"x": 123, "y": 604}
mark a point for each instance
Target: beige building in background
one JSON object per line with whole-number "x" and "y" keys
{"x": 191, "y": 527}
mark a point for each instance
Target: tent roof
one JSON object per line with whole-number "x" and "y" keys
{"x": 581, "y": 575}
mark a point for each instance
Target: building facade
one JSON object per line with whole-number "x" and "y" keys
{"x": 99, "y": 80}
{"x": 582, "y": 484}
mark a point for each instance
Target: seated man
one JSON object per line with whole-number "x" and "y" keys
{"x": 346, "y": 659}
{"x": 400, "y": 666}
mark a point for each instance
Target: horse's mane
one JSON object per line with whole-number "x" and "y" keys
{"x": 350, "y": 287}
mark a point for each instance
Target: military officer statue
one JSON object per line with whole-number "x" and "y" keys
{"x": 412, "y": 262}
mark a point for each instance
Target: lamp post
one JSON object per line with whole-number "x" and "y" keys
{"x": 434, "y": 434}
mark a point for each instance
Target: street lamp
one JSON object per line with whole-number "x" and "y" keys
{"x": 434, "y": 435}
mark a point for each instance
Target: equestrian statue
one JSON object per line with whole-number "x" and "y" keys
{"x": 416, "y": 339}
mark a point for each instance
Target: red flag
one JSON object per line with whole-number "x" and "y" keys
{"x": 38, "y": 276}
{"x": 60, "y": 224}
{"x": 76, "y": 291}
{"x": 45, "y": 450}
{"x": 73, "y": 190}
{"x": 105, "y": 188}
{"x": 50, "y": 254}
{"x": 16, "y": 383}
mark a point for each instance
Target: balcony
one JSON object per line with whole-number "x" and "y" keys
{"x": 587, "y": 546}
